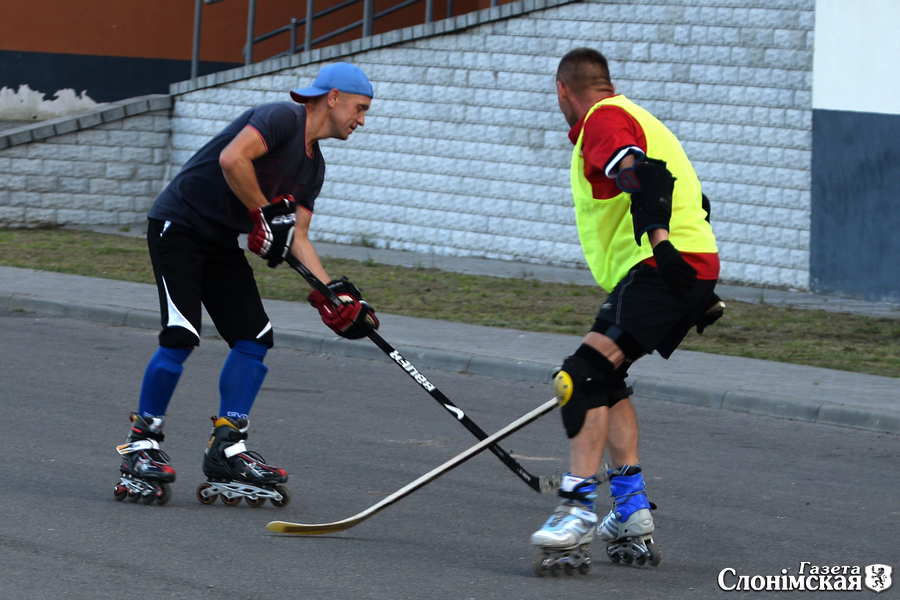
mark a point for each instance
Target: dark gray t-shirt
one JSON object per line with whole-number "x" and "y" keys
{"x": 199, "y": 197}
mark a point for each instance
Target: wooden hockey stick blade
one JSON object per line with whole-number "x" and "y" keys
{"x": 321, "y": 528}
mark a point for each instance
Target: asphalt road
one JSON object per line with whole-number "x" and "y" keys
{"x": 734, "y": 490}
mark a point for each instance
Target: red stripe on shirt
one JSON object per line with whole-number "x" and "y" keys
{"x": 706, "y": 264}
{"x": 260, "y": 136}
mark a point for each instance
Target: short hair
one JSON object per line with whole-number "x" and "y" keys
{"x": 582, "y": 69}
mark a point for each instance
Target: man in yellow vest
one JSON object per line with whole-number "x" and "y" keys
{"x": 646, "y": 236}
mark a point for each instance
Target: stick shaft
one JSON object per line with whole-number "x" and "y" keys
{"x": 538, "y": 484}
{"x": 321, "y": 528}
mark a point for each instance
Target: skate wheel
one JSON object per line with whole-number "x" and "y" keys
{"x": 640, "y": 560}
{"x": 627, "y": 559}
{"x": 538, "y": 565}
{"x": 584, "y": 567}
{"x": 556, "y": 569}
{"x": 285, "y": 497}
{"x": 569, "y": 569}
{"x": 230, "y": 501}
{"x": 613, "y": 555}
{"x": 655, "y": 554}
{"x": 133, "y": 496}
{"x": 255, "y": 503}
{"x": 203, "y": 499}
{"x": 163, "y": 494}
{"x": 148, "y": 499}
{"x": 120, "y": 493}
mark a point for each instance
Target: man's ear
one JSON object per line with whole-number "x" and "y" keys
{"x": 332, "y": 97}
{"x": 561, "y": 91}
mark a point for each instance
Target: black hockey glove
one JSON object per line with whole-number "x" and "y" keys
{"x": 651, "y": 185}
{"x": 715, "y": 308}
{"x": 273, "y": 229}
{"x": 674, "y": 270}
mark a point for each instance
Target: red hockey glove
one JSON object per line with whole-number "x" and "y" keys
{"x": 273, "y": 229}
{"x": 353, "y": 319}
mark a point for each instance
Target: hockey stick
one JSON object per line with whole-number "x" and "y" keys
{"x": 320, "y": 528}
{"x": 540, "y": 484}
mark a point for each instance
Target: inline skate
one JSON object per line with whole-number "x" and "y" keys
{"x": 565, "y": 539}
{"x": 234, "y": 472}
{"x": 145, "y": 470}
{"x": 628, "y": 528}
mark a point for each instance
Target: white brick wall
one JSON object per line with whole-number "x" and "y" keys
{"x": 103, "y": 168}
{"x": 464, "y": 151}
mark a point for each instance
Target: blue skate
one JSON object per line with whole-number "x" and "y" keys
{"x": 628, "y": 528}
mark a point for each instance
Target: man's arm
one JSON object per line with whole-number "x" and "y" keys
{"x": 302, "y": 247}
{"x": 656, "y": 235}
{"x": 273, "y": 218}
{"x": 674, "y": 270}
{"x": 236, "y": 161}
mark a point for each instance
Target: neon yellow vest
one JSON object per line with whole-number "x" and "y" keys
{"x": 605, "y": 227}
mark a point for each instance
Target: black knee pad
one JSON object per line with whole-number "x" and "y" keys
{"x": 581, "y": 384}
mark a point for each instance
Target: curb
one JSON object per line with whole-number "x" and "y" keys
{"x": 825, "y": 413}
{"x": 771, "y": 405}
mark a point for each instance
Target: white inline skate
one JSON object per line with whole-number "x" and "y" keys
{"x": 565, "y": 539}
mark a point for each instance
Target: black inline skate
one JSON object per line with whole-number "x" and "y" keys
{"x": 234, "y": 472}
{"x": 145, "y": 470}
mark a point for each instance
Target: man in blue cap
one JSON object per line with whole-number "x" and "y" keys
{"x": 260, "y": 176}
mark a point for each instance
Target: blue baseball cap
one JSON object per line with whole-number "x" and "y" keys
{"x": 342, "y": 76}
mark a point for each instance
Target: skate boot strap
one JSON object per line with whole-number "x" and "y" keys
{"x": 147, "y": 425}
{"x": 583, "y": 497}
{"x": 629, "y": 495}
{"x": 140, "y": 434}
{"x": 565, "y": 510}
{"x": 584, "y": 492}
{"x": 582, "y": 513}
{"x": 620, "y": 499}
{"x": 234, "y": 449}
{"x": 241, "y": 425}
{"x": 137, "y": 446}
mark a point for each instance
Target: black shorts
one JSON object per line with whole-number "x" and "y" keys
{"x": 191, "y": 270}
{"x": 651, "y": 315}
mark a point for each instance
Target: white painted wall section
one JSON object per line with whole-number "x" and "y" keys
{"x": 856, "y": 66}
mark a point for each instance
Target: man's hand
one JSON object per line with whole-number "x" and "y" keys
{"x": 674, "y": 270}
{"x": 353, "y": 318}
{"x": 273, "y": 229}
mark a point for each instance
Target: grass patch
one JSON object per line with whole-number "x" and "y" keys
{"x": 808, "y": 337}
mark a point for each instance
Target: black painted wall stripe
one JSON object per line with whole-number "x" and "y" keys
{"x": 105, "y": 78}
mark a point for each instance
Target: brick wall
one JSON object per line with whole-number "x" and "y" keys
{"x": 101, "y": 168}
{"x": 465, "y": 153}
